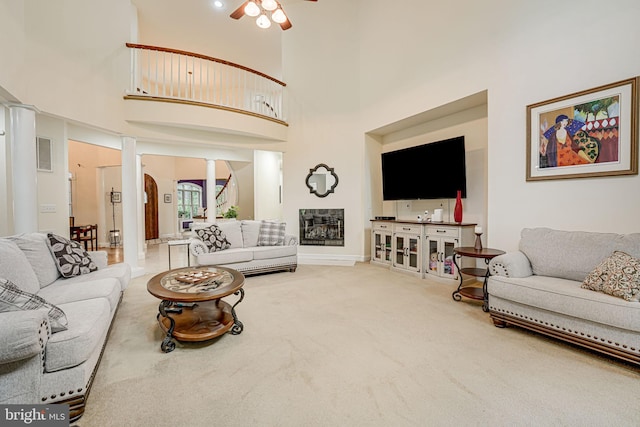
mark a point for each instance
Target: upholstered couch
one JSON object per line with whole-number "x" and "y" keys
{"x": 248, "y": 251}
{"x": 48, "y": 357}
{"x": 540, "y": 287}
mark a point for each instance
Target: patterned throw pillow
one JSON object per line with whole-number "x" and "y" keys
{"x": 214, "y": 238}
{"x": 71, "y": 258}
{"x": 271, "y": 233}
{"x": 13, "y": 298}
{"x": 617, "y": 275}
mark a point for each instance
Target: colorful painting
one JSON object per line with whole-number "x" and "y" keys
{"x": 587, "y": 134}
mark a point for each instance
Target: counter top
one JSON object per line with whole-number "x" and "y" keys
{"x": 410, "y": 221}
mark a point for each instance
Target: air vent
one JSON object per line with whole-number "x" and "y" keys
{"x": 44, "y": 148}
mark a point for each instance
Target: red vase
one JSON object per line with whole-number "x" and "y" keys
{"x": 457, "y": 211}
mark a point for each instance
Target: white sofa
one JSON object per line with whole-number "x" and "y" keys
{"x": 36, "y": 365}
{"x": 539, "y": 288}
{"x": 244, "y": 254}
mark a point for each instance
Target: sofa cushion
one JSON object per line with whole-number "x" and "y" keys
{"x": 572, "y": 254}
{"x": 35, "y": 248}
{"x": 271, "y": 233}
{"x": 566, "y": 297}
{"x": 269, "y": 252}
{"x": 88, "y": 325}
{"x": 15, "y": 267}
{"x": 233, "y": 231}
{"x": 120, "y": 271}
{"x": 213, "y": 237}
{"x": 250, "y": 232}
{"x": 617, "y": 275}
{"x": 225, "y": 257}
{"x": 70, "y": 257}
{"x": 65, "y": 291}
{"x": 13, "y": 298}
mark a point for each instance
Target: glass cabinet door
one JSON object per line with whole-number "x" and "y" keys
{"x": 448, "y": 267}
{"x": 414, "y": 254}
{"x": 387, "y": 247}
{"x": 399, "y": 250}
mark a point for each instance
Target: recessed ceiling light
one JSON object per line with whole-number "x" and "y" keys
{"x": 218, "y": 4}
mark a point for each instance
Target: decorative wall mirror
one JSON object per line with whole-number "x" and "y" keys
{"x": 322, "y": 180}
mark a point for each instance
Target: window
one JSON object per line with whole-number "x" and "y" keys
{"x": 189, "y": 199}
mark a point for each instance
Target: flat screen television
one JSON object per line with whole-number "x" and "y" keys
{"x": 431, "y": 171}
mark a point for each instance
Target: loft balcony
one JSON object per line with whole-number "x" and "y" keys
{"x": 188, "y": 89}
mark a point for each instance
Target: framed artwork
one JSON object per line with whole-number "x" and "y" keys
{"x": 167, "y": 198}
{"x": 587, "y": 134}
{"x": 116, "y": 197}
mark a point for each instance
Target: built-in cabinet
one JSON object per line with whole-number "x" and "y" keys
{"x": 381, "y": 243}
{"x": 422, "y": 249}
{"x": 407, "y": 248}
{"x": 440, "y": 240}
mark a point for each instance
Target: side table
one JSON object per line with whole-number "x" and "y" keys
{"x": 184, "y": 242}
{"x": 474, "y": 292}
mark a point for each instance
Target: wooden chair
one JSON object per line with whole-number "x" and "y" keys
{"x": 87, "y": 234}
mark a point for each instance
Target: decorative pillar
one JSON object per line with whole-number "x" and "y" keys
{"x": 212, "y": 208}
{"x": 130, "y": 204}
{"x": 140, "y": 204}
{"x": 24, "y": 174}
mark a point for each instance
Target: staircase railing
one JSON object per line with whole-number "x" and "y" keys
{"x": 222, "y": 200}
{"x": 160, "y": 73}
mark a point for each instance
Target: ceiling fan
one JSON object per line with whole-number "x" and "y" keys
{"x": 260, "y": 9}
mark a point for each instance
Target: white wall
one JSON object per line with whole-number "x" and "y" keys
{"x": 6, "y": 217}
{"x": 52, "y": 185}
{"x": 322, "y": 71}
{"x": 542, "y": 61}
{"x": 267, "y": 185}
{"x": 522, "y": 53}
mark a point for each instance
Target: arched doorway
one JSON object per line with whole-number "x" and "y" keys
{"x": 151, "y": 229}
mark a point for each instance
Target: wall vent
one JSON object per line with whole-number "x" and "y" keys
{"x": 44, "y": 152}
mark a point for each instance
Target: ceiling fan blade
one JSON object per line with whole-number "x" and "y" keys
{"x": 239, "y": 12}
{"x": 286, "y": 25}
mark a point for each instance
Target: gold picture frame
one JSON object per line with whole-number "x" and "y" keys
{"x": 593, "y": 133}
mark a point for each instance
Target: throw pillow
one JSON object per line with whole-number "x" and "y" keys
{"x": 271, "y": 233}
{"x": 214, "y": 238}
{"x": 12, "y": 298}
{"x": 71, "y": 258}
{"x": 617, "y": 275}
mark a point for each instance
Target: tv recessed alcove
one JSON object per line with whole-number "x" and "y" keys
{"x": 465, "y": 117}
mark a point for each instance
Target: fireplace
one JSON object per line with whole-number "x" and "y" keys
{"x": 322, "y": 227}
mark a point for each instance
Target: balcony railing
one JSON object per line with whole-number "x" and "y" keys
{"x": 177, "y": 76}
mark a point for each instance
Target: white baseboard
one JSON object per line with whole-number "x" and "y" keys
{"x": 320, "y": 259}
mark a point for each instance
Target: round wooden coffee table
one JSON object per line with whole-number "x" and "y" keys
{"x": 192, "y": 308}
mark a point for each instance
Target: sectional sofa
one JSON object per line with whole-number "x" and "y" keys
{"x": 54, "y": 329}
{"x": 248, "y": 251}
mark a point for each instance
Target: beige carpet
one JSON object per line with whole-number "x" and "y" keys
{"x": 353, "y": 346}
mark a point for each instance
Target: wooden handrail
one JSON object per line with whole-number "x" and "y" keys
{"x": 223, "y": 187}
{"x": 208, "y": 58}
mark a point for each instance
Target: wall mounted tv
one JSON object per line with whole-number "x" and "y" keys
{"x": 431, "y": 171}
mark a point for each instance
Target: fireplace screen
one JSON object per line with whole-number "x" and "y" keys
{"x": 322, "y": 227}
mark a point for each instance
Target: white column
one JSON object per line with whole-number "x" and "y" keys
{"x": 140, "y": 203}
{"x": 24, "y": 174}
{"x": 130, "y": 204}
{"x": 211, "y": 191}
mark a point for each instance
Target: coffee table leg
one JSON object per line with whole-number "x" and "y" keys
{"x": 168, "y": 345}
{"x": 237, "y": 327}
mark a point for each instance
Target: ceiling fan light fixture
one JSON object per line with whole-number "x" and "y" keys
{"x": 278, "y": 16}
{"x": 263, "y": 21}
{"x": 252, "y": 9}
{"x": 269, "y": 5}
